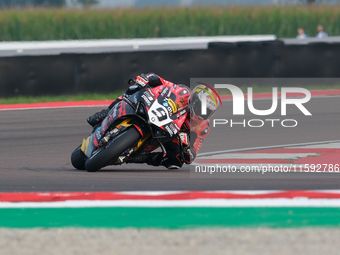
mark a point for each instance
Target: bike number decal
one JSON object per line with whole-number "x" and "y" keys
{"x": 159, "y": 115}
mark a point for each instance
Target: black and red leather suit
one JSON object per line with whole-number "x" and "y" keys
{"x": 195, "y": 129}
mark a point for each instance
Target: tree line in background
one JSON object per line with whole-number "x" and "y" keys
{"x": 44, "y": 3}
{"x": 73, "y": 24}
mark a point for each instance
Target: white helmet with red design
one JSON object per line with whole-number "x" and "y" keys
{"x": 204, "y": 101}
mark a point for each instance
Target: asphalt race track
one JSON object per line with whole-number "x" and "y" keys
{"x": 36, "y": 146}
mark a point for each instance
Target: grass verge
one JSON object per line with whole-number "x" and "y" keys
{"x": 114, "y": 95}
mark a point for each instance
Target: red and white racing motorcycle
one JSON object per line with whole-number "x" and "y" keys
{"x": 135, "y": 126}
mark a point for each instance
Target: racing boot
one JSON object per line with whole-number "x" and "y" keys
{"x": 153, "y": 159}
{"x": 98, "y": 117}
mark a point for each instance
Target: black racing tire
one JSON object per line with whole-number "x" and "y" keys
{"x": 123, "y": 142}
{"x": 78, "y": 159}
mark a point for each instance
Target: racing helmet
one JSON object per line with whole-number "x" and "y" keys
{"x": 203, "y": 92}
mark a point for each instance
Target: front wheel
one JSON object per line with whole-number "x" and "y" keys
{"x": 103, "y": 158}
{"x": 78, "y": 159}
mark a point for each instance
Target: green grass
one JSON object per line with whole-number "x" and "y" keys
{"x": 63, "y": 98}
{"x": 62, "y": 24}
{"x": 112, "y": 96}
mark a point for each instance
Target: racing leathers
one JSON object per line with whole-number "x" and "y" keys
{"x": 184, "y": 147}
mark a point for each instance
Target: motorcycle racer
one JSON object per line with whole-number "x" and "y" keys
{"x": 184, "y": 147}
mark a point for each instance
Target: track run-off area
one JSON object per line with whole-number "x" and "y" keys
{"x": 37, "y": 141}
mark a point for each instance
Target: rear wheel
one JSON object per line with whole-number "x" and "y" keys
{"x": 103, "y": 158}
{"x": 78, "y": 159}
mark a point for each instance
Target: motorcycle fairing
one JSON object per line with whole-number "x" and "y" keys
{"x": 165, "y": 111}
{"x": 121, "y": 109}
{"x": 88, "y": 145}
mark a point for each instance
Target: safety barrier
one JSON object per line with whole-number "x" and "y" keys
{"x": 105, "y": 72}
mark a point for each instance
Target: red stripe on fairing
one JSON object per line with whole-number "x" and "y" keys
{"x": 186, "y": 195}
{"x": 314, "y": 93}
{"x": 124, "y": 111}
{"x": 138, "y": 129}
{"x": 95, "y": 142}
{"x": 120, "y": 110}
{"x": 54, "y": 105}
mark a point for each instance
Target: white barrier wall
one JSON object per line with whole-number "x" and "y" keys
{"x": 120, "y": 45}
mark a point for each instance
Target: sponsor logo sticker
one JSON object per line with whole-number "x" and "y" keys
{"x": 172, "y": 105}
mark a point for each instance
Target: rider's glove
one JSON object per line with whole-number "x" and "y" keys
{"x": 188, "y": 153}
{"x": 184, "y": 139}
{"x": 142, "y": 80}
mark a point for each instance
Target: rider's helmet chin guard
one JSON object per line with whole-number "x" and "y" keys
{"x": 200, "y": 93}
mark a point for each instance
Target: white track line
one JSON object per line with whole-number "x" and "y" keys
{"x": 319, "y": 146}
{"x": 265, "y": 147}
{"x": 260, "y": 156}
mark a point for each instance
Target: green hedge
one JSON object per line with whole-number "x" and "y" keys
{"x": 59, "y": 24}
